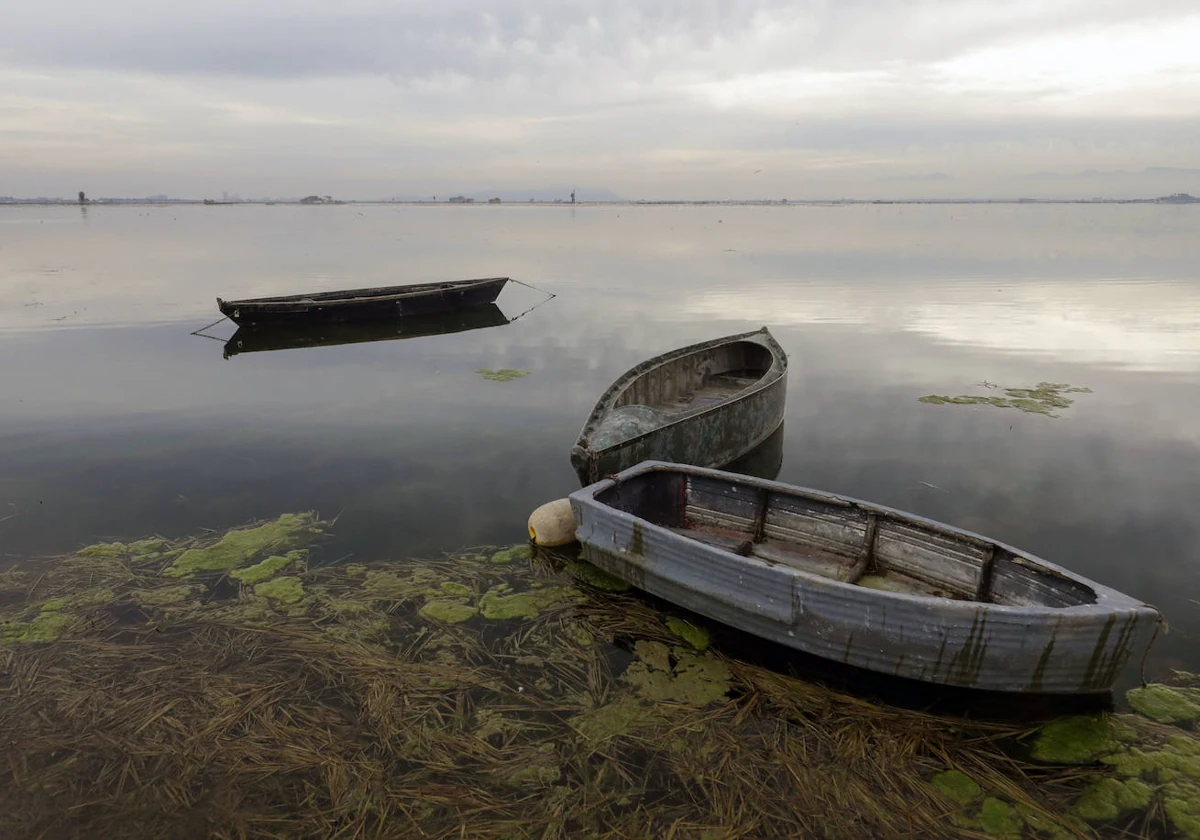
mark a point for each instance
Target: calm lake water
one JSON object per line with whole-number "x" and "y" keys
{"x": 116, "y": 422}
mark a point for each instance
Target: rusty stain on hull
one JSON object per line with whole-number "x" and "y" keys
{"x": 1039, "y": 671}
{"x": 1103, "y": 667}
{"x": 964, "y": 667}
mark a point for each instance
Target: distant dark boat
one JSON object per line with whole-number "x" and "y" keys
{"x": 859, "y": 583}
{"x": 380, "y": 304}
{"x": 265, "y": 337}
{"x": 707, "y": 404}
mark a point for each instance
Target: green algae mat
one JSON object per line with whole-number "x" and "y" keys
{"x": 231, "y": 686}
{"x": 1047, "y": 398}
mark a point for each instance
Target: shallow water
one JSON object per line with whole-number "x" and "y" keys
{"x": 117, "y": 423}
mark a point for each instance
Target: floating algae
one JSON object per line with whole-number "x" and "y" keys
{"x": 1046, "y": 398}
{"x": 993, "y": 816}
{"x": 393, "y": 586}
{"x": 13, "y": 579}
{"x": 511, "y": 555}
{"x": 451, "y": 612}
{"x": 53, "y": 617}
{"x": 238, "y": 548}
{"x": 502, "y": 375}
{"x": 996, "y": 818}
{"x": 268, "y": 568}
{"x": 695, "y": 679}
{"x": 1108, "y": 798}
{"x": 86, "y": 598}
{"x": 1171, "y": 769}
{"x": 286, "y": 590}
{"x": 690, "y": 633}
{"x": 598, "y": 578}
{"x": 1076, "y": 740}
{"x": 957, "y": 786}
{"x": 1152, "y": 766}
{"x": 1166, "y": 704}
{"x": 140, "y": 548}
{"x": 46, "y": 627}
{"x": 453, "y": 589}
{"x": 449, "y": 603}
{"x": 500, "y": 602}
{"x": 622, "y": 716}
{"x": 343, "y": 700}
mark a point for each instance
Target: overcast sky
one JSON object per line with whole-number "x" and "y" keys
{"x": 671, "y": 99}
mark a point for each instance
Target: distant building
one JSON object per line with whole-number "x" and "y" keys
{"x": 461, "y": 199}
{"x": 493, "y": 201}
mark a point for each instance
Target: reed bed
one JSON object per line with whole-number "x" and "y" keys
{"x": 537, "y": 705}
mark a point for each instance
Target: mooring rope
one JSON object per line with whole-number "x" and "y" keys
{"x": 200, "y": 332}
{"x": 1160, "y": 624}
{"x": 536, "y": 305}
{"x": 535, "y": 288}
{"x": 530, "y": 309}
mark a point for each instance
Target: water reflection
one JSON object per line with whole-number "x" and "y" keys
{"x": 253, "y": 339}
{"x": 1140, "y": 324}
{"x": 764, "y": 460}
{"x": 118, "y": 424}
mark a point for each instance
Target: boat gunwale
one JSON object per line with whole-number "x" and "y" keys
{"x": 779, "y": 365}
{"x": 1107, "y": 600}
{"x": 381, "y": 293}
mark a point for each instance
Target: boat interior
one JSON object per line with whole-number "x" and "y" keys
{"x": 698, "y": 380}
{"x": 844, "y": 541}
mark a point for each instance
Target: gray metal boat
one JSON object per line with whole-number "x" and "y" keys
{"x": 707, "y": 404}
{"x": 859, "y": 583}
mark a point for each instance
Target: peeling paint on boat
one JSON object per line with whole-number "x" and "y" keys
{"x": 1037, "y": 627}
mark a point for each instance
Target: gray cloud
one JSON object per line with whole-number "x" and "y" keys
{"x": 527, "y": 37}
{"x": 685, "y": 98}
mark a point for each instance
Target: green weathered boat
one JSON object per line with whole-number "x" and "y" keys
{"x": 707, "y": 404}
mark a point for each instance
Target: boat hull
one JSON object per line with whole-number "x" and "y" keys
{"x": 714, "y": 437}
{"x": 970, "y": 644}
{"x": 378, "y": 304}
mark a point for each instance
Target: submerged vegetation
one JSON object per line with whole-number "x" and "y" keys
{"x": 1154, "y": 768}
{"x": 230, "y": 685}
{"x": 1047, "y": 398}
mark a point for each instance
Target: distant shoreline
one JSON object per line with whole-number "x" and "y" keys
{"x": 123, "y": 202}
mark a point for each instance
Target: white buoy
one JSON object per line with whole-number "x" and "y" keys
{"x": 552, "y": 524}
